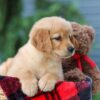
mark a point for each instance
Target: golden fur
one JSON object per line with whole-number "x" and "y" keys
{"x": 38, "y": 62}
{"x": 4, "y": 67}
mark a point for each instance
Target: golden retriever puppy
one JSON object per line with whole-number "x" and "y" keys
{"x": 38, "y": 62}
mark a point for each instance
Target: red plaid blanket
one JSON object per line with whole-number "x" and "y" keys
{"x": 63, "y": 90}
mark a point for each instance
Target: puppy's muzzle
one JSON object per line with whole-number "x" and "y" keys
{"x": 71, "y": 49}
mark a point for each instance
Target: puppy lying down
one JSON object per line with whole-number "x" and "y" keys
{"x": 38, "y": 63}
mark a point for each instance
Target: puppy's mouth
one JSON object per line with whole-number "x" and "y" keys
{"x": 69, "y": 55}
{"x": 65, "y": 56}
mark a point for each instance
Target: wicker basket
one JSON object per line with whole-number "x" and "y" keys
{"x": 2, "y": 96}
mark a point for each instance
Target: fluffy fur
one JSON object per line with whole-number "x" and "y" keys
{"x": 38, "y": 62}
{"x": 82, "y": 39}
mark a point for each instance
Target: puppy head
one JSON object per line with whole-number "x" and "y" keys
{"x": 51, "y": 35}
{"x": 82, "y": 37}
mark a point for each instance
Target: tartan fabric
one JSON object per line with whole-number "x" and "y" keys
{"x": 63, "y": 90}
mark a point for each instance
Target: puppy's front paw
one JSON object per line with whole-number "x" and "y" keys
{"x": 29, "y": 87}
{"x": 46, "y": 84}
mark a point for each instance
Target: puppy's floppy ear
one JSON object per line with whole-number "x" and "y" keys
{"x": 41, "y": 40}
{"x": 74, "y": 42}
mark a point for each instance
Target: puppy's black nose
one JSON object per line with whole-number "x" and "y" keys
{"x": 71, "y": 49}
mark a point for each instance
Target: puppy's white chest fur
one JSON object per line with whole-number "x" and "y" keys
{"x": 48, "y": 66}
{"x": 42, "y": 64}
{"x": 33, "y": 61}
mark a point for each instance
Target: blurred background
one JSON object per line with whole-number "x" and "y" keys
{"x": 18, "y": 16}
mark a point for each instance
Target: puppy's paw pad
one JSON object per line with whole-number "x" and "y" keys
{"x": 29, "y": 88}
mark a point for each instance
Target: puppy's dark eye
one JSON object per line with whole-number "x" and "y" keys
{"x": 57, "y": 38}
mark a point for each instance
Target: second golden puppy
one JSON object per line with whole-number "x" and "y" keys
{"x": 38, "y": 62}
